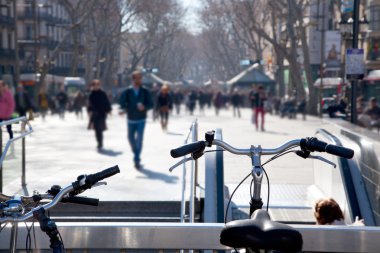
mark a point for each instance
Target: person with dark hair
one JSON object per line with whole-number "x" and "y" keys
{"x": 164, "y": 105}
{"x": 62, "y": 100}
{"x": 218, "y": 102}
{"x": 23, "y": 102}
{"x": 177, "y": 100}
{"x": 136, "y": 101}
{"x": 236, "y": 102}
{"x": 98, "y": 107}
{"x": 328, "y": 212}
{"x": 259, "y": 98}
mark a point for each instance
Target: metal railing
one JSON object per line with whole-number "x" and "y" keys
{"x": 155, "y": 237}
{"x": 193, "y": 133}
{"x": 214, "y": 186}
{"x": 3, "y": 151}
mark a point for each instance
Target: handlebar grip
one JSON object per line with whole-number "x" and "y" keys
{"x": 340, "y": 151}
{"x": 81, "y": 200}
{"x": 94, "y": 178}
{"x": 188, "y": 149}
{"x": 313, "y": 144}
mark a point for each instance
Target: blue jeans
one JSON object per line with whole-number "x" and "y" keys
{"x": 135, "y": 137}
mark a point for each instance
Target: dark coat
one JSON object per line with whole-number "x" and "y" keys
{"x": 28, "y": 105}
{"x": 128, "y": 102}
{"x": 98, "y": 103}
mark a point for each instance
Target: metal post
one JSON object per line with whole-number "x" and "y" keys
{"x": 14, "y": 232}
{"x": 321, "y": 69}
{"x": 355, "y": 44}
{"x": 219, "y": 180}
{"x": 183, "y": 200}
{"x": 17, "y": 58}
{"x": 192, "y": 176}
{"x": 23, "y": 180}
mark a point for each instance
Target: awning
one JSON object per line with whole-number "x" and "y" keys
{"x": 373, "y": 75}
{"x": 329, "y": 82}
{"x": 251, "y": 75}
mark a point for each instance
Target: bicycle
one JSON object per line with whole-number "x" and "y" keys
{"x": 260, "y": 232}
{"x": 15, "y": 209}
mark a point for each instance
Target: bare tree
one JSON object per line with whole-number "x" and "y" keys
{"x": 154, "y": 26}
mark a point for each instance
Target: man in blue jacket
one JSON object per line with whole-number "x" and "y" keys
{"x": 136, "y": 101}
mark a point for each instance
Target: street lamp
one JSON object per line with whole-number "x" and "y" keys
{"x": 350, "y": 29}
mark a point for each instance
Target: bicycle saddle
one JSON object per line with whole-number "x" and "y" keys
{"x": 260, "y": 232}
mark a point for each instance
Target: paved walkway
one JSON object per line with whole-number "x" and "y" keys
{"x": 60, "y": 150}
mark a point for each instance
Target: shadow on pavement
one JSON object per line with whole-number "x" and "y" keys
{"x": 176, "y": 134}
{"x": 109, "y": 152}
{"x": 274, "y": 132}
{"x": 158, "y": 175}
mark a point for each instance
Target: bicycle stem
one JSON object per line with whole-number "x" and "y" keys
{"x": 257, "y": 174}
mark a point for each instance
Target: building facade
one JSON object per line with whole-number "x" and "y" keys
{"x": 7, "y": 41}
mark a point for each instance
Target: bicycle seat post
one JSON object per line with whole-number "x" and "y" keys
{"x": 257, "y": 174}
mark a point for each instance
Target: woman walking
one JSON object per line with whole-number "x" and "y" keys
{"x": 164, "y": 105}
{"x": 98, "y": 106}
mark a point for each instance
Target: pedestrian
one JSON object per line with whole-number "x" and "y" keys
{"x": 259, "y": 99}
{"x": 136, "y": 101}
{"x": 78, "y": 104}
{"x": 218, "y": 102}
{"x": 164, "y": 105}
{"x": 371, "y": 116}
{"x": 328, "y": 212}
{"x": 7, "y": 106}
{"x": 22, "y": 101}
{"x": 43, "y": 102}
{"x": 236, "y": 103}
{"x": 302, "y": 108}
{"x": 98, "y": 107}
{"x": 62, "y": 100}
{"x": 177, "y": 100}
{"x": 192, "y": 101}
{"x": 252, "y": 99}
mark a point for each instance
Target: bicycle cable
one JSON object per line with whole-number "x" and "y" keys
{"x": 287, "y": 151}
{"x": 229, "y": 201}
{"x": 63, "y": 245}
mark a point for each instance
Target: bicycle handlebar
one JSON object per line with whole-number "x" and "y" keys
{"x": 82, "y": 183}
{"x": 307, "y": 144}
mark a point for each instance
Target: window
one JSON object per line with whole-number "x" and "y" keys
{"x": 1, "y": 39}
{"x": 28, "y": 32}
{"x": 10, "y": 46}
{"x": 374, "y": 18}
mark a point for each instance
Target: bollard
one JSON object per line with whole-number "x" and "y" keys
{"x": 23, "y": 180}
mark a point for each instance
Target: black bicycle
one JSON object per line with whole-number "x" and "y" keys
{"x": 16, "y": 209}
{"x": 260, "y": 232}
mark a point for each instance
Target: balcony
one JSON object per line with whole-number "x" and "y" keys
{"x": 8, "y": 54}
{"x": 6, "y": 21}
{"x": 27, "y": 14}
{"x": 60, "y": 71}
{"x": 49, "y": 43}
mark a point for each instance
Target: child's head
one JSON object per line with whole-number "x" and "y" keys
{"x": 326, "y": 211}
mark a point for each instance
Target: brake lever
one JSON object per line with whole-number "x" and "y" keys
{"x": 185, "y": 160}
{"x": 99, "y": 184}
{"x": 323, "y": 160}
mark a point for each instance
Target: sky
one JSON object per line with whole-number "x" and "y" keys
{"x": 192, "y": 19}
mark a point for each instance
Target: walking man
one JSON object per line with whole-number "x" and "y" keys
{"x": 98, "y": 106}
{"x": 136, "y": 101}
{"x": 62, "y": 100}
